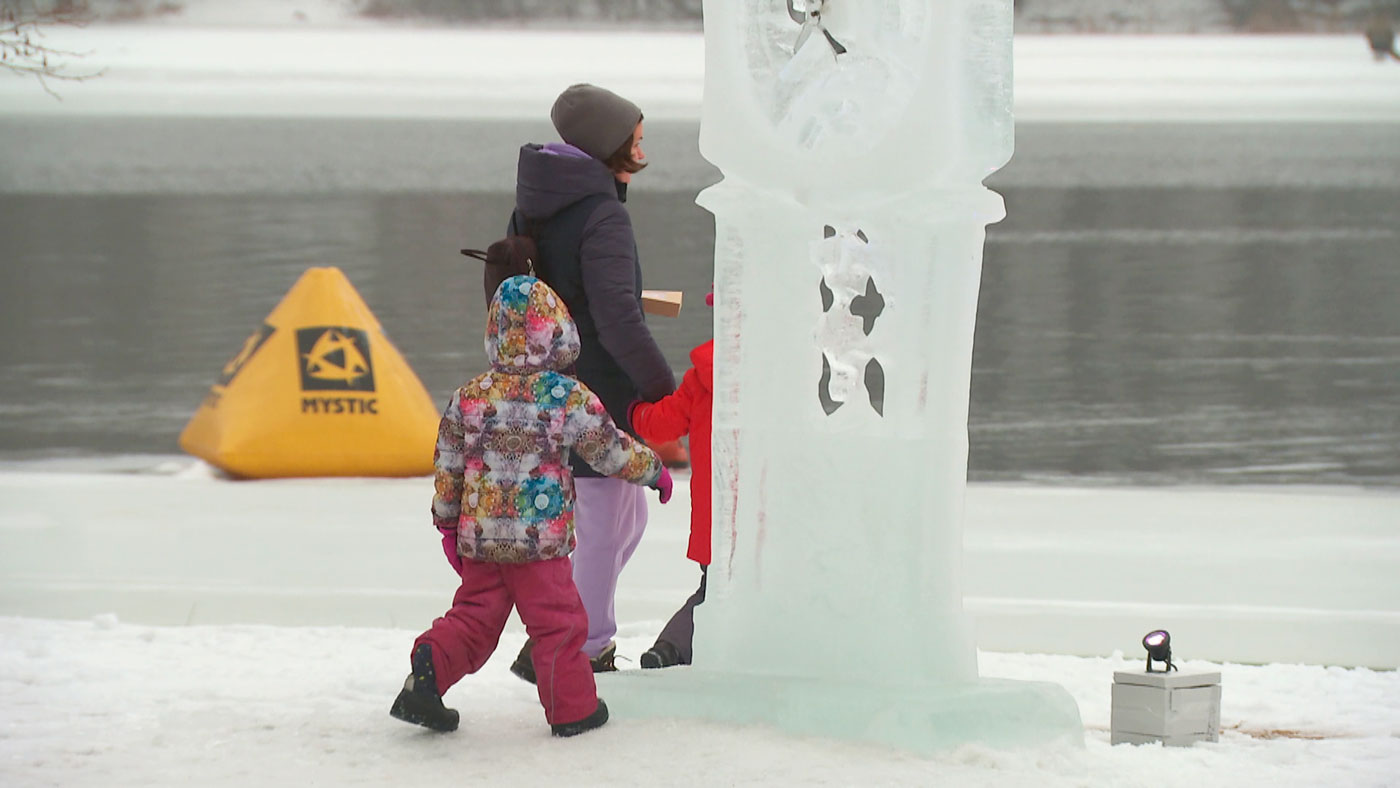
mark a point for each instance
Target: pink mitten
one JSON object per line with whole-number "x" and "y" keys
{"x": 663, "y": 485}
{"x": 449, "y": 548}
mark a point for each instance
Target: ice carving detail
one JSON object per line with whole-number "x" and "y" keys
{"x": 851, "y": 303}
{"x": 811, "y": 19}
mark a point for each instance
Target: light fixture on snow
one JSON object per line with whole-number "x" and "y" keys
{"x": 1167, "y": 706}
{"x": 1158, "y": 643}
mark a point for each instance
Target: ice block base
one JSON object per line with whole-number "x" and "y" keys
{"x": 920, "y": 718}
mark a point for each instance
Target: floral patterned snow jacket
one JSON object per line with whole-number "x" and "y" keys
{"x": 502, "y": 457}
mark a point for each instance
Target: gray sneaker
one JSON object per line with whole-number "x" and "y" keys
{"x": 603, "y": 663}
{"x": 524, "y": 666}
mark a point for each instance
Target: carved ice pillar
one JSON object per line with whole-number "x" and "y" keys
{"x": 843, "y": 364}
{"x": 849, "y": 232}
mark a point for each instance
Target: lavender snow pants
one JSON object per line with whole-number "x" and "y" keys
{"x": 609, "y": 518}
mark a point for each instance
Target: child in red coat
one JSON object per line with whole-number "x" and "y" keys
{"x": 688, "y": 411}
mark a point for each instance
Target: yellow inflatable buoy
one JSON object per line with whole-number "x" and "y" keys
{"x": 316, "y": 390}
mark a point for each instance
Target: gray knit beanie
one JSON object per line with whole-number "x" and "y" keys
{"x": 594, "y": 120}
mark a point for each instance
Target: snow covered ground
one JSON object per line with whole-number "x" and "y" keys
{"x": 105, "y": 703}
{"x": 162, "y": 626}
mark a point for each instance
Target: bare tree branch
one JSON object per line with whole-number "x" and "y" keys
{"x": 24, "y": 51}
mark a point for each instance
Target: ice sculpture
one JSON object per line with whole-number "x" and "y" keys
{"x": 853, "y": 138}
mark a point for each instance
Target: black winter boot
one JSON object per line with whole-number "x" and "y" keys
{"x": 523, "y": 666}
{"x": 419, "y": 702}
{"x": 594, "y": 720}
{"x": 661, "y": 655}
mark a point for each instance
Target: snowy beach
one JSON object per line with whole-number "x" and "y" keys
{"x": 161, "y": 625}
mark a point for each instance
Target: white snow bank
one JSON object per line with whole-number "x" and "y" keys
{"x": 376, "y": 70}
{"x": 1243, "y": 575}
{"x": 1283, "y": 574}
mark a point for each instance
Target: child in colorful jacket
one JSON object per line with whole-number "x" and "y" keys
{"x": 504, "y": 502}
{"x": 688, "y": 412}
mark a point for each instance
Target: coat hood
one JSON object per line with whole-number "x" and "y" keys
{"x": 703, "y": 359}
{"x": 528, "y": 328}
{"x": 548, "y": 181}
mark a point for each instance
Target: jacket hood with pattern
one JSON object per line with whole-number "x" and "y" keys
{"x": 502, "y": 480}
{"x": 528, "y": 328}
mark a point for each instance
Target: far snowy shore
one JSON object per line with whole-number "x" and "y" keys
{"x": 368, "y": 70}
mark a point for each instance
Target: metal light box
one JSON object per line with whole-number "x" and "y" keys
{"x": 1177, "y": 709}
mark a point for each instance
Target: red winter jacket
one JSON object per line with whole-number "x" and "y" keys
{"x": 688, "y": 412}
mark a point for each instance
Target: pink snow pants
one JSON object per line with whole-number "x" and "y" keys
{"x": 543, "y": 591}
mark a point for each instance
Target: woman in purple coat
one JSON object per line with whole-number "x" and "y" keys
{"x": 569, "y": 196}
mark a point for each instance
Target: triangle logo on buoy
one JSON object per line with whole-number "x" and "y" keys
{"x": 334, "y": 358}
{"x": 316, "y": 390}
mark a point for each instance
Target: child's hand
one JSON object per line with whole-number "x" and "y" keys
{"x": 449, "y": 548}
{"x": 663, "y": 484}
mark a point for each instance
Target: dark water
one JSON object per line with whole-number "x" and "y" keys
{"x": 1164, "y": 304}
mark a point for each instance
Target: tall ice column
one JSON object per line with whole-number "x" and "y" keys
{"x": 853, "y": 138}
